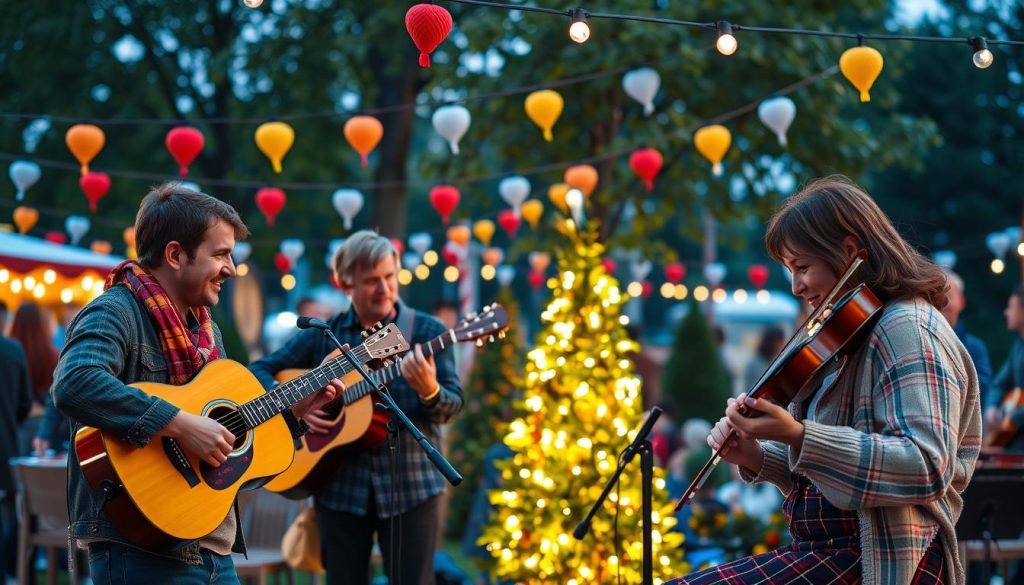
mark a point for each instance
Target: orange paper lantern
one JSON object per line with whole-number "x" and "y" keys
{"x": 25, "y": 218}
{"x": 363, "y": 134}
{"x": 84, "y": 141}
{"x": 582, "y": 177}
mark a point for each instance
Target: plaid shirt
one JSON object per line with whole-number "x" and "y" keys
{"x": 895, "y": 438}
{"x": 370, "y": 471}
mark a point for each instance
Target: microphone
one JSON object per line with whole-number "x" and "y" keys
{"x": 641, "y": 436}
{"x": 311, "y": 323}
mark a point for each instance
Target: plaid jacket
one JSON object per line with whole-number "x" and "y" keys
{"x": 896, "y": 438}
{"x": 416, "y": 479}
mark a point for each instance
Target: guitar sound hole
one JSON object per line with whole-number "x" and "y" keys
{"x": 231, "y": 420}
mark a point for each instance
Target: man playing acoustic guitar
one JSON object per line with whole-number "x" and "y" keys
{"x": 391, "y": 493}
{"x": 1004, "y": 417}
{"x": 152, "y": 324}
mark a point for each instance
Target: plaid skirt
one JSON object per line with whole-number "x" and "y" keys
{"x": 825, "y": 548}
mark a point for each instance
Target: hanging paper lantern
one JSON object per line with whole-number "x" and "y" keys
{"x": 539, "y": 261}
{"x": 185, "y": 144}
{"x": 642, "y": 85}
{"x": 95, "y": 186}
{"x": 428, "y": 25}
{"x": 128, "y": 236}
{"x": 675, "y": 272}
{"x": 363, "y": 134}
{"x": 758, "y": 275}
{"x": 444, "y": 199}
{"x": 270, "y": 201}
{"x": 544, "y": 107}
{"x": 506, "y": 274}
{"x": 458, "y": 234}
{"x": 945, "y": 258}
{"x": 293, "y": 249}
{"x": 451, "y": 122}
{"x": 347, "y": 202}
{"x": 532, "y": 210}
{"x": 646, "y": 288}
{"x": 493, "y": 256}
{"x": 56, "y": 238}
{"x": 514, "y": 190}
{"x": 25, "y": 218}
{"x": 420, "y": 242}
{"x": 609, "y": 265}
{"x": 410, "y": 260}
{"x": 190, "y": 185}
{"x": 399, "y": 245}
{"x": 24, "y": 174}
{"x": 332, "y": 251}
{"x": 283, "y": 264}
{"x": 84, "y": 141}
{"x": 536, "y": 279}
{"x": 275, "y": 139}
{"x": 713, "y": 142}
{"x": 450, "y": 253}
{"x": 101, "y": 247}
{"x": 646, "y": 163}
{"x": 714, "y": 273}
{"x": 483, "y": 230}
{"x": 861, "y": 65}
{"x": 509, "y": 221}
{"x": 76, "y": 226}
{"x": 777, "y": 114}
{"x": 241, "y": 252}
{"x": 556, "y": 193}
{"x": 582, "y": 177}
{"x": 998, "y": 243}
{"x": 639, "y": 268}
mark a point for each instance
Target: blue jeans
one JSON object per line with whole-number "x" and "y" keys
{"x": 111, "y": 563}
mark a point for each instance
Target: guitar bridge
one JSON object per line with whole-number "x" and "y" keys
{"x": 180, "y": 461}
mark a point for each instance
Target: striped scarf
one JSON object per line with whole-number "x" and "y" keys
{"x": 186, "y": 352}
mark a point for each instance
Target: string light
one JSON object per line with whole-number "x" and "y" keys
{"x": 253, "y": 3}
{"x": 579, "y": 30}
{"x": 726, "y": 43}
{"x": 982, "y": 56}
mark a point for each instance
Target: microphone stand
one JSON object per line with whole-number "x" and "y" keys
{"x": 433, "y": 454}
{"x": 643, "y": 446}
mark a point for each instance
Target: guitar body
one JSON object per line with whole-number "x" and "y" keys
{"x": 1006, "y": 431}
{"x": 160, "y": 492}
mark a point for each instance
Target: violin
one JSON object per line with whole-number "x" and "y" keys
{"x": 835, "y": 329}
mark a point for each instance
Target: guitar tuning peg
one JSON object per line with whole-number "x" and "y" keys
{"x": 365, "y": 334}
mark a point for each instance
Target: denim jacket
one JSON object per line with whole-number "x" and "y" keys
{"x": 113, "y": 342}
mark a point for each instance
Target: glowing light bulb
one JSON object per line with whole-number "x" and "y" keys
{"x": 983, "y": 57}
{"x": 726, "y": 43}
{"x": 579, "y": 30}
{"x": 252, "y": 3}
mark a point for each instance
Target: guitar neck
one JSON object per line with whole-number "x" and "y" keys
{"x": 283, "y": 396}
{"x": 394, "y": 370}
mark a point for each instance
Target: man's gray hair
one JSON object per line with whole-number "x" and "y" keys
{"x": 362, "y": 250}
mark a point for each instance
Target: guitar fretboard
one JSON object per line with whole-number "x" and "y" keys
{"x": 394, "y": 369}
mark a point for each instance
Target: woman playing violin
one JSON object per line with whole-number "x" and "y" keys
{"x": 872, "y": 453}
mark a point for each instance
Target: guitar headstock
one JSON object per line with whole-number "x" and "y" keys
{"x": 384, "y": 341}
{"x": 491, "y": 321}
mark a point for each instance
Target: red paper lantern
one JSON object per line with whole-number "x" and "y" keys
{"x": 282, "y": 262}
{"x": 271, "y": 201}
{"x": 646, "y": 288}
{"x": 428, "y": 25}
{"x": 509, "y": 221}
{"x": 56, "y": 237}
{"x": 674, "y": 272}
{"x": 449, "y": 255}
{"x": 185, "y": 144}
{"x": 399, "y": 245}
{"x": 646, "y": 163}
{"x": 609, "y": 265}
{"x": 95, "y": 186}
{"x": 758, "y": 275}
{"x": 536, "y": 279}
{"x": 444, "y": 199}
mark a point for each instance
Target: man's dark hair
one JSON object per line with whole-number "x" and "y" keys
{"x": 171, "y": 212}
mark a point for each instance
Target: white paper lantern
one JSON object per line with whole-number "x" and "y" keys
{"x": 76, "y": 226}
{"x": 514, "y": 190}
{"x": 293, "y": 249}
{"x": 420, "y": 242}
{"x": 998, "y": 243}
{"x": 777, "y": 114}
{"x": 714, "y": 273}
{"x": 332, "y": 250}
{"x": 241, "y": 252}
{"x": 24, "y": 174}
{"x": 945, "y": 258}
{"x": 452, "y": 122}
{"x": 505, "y": 274}
{"x": 639, "y": 268}
{"x": 410, "y": 260}
{"x": 642, "y": 85}
{"x": 347, "y": 202}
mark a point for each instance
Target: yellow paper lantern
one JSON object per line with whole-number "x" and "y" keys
{"x": 274, "y": 140}
{"x": 544, "y": 107}
{"x": 582, "y": 177}
{"x": 128, "y": 235}
{"x": 484, "y": 231}
{"x": 458, "y": 234}
{"x": 84, "y": 141}
{"x": 25, "y": 218}
{"x": 713, "y": 142}
{"x": 532, "y": 210}
{"x": 556, "y": 193}
{"x": 861, "y": 65}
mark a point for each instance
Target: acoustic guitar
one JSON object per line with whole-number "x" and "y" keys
{"x": 1005, "y": 430}
{"x": 358, "y": 423}
{"x": 158, "y": 493}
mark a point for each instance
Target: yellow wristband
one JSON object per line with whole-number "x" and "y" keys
{"x": 432, "y": 395}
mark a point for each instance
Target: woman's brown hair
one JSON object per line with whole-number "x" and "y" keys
{"x": 33, "y": 332}
{"x": 819, "y": 218}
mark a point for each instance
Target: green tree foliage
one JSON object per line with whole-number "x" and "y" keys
{"x": 694, "y": 378}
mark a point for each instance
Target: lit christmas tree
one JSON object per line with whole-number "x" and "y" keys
{"x": 580, "y": 408}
